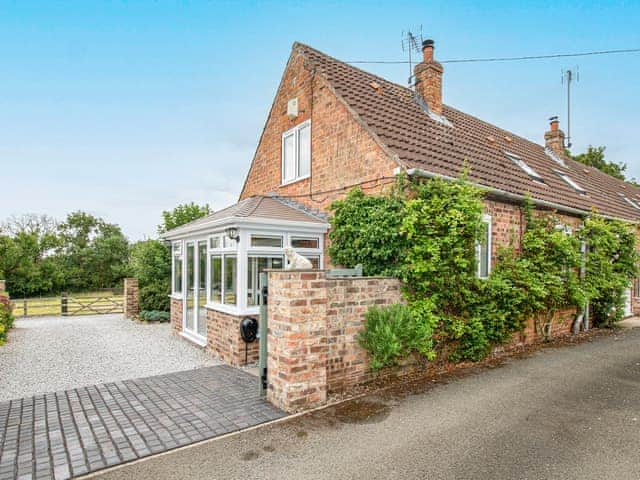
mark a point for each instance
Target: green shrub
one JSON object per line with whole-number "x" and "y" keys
{"x": 394, "y": 332}
{"x": 154, "y": 316}
{"x": 155, "y": 297}
{"x": 6, "y": 318}
{"x": 151, "y": 265}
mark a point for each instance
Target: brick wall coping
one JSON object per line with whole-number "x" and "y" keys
{"x": 374, "y": 277}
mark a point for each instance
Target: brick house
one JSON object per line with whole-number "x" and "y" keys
{"x": 332, "y": 127}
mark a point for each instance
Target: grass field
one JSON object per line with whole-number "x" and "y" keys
{"x": 88, "y": 303}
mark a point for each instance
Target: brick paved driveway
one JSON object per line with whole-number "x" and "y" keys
{"x": 69, "y": 433}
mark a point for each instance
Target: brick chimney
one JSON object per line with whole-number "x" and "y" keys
{"x": 428, "y": 76}
{"x": 554, "y": 138}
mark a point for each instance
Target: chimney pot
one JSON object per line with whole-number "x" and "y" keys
{"x": 554, "y": 138}
{"x": 427, "y": 50}
{"x": 428, "y": 77}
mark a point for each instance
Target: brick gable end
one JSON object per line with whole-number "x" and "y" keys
{"x": 343, "y": 150}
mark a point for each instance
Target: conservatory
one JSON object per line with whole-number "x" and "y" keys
{"x": 217, "y": 260}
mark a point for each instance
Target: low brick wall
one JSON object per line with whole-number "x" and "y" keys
{"x": 223, "y": 335}
{"x": 313, "y": 324}
{"x": 224, "y": 340}
{"x": 131, "y": 298}
{"x": 313, "y": 327}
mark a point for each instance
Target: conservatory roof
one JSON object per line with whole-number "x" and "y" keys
{"x": 265, "y": 210}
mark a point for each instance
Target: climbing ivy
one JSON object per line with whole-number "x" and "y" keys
{"x": 611, "y": 262}
{"x": 425, "y": 233}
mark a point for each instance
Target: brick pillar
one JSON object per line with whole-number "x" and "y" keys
{"x": 3, "y": 286}
{"x": 297, "y": 339}
{"x": 131, "y": 298}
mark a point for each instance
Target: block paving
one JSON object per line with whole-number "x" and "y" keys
{"x": 69, "y": 433}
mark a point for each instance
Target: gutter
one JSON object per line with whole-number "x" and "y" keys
{"x": 512, "y": 196}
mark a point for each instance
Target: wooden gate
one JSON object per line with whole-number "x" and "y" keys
{"x": 81, "y": 305}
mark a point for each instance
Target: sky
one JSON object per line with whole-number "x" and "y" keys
{"x": 128, "y": 108}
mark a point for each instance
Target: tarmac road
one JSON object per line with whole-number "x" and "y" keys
{"x": 563, "y": 413}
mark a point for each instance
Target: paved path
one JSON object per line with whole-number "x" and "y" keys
{"x": 569, "y": 413}
{"x": 48, "y": 354}
{"x": 57, "y": 435}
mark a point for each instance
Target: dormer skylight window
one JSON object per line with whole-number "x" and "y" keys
{"x": 526, "y": 168}
{"x": 551, "y": 154}
{"x": 569, "y": 181}
{"x": 629, "y": 201}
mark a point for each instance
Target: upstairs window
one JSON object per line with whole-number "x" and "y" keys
{"x": 483, "y": 249}
{"x": 296, "y": 153}
{"x": 569, "y": 181}
{"x": 525, "y": 167}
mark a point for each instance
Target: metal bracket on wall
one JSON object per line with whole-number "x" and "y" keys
{"x": 345, "y": 272}
{"x": 262, "y": 328}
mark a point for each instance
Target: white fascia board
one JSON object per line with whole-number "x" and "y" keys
{"x": 245, "y": 222}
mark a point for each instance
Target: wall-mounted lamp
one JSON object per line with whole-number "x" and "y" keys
{"x": 232, "y": 233}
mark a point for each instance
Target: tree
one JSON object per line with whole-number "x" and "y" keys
{"x": 182, "y": 214}
{"x": 92, "y": 253}
{"x": 29, "y": 223}
{"x": 594, "y": 157}
{"x": 27, "y": 262}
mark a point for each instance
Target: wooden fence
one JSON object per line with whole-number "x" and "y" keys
{"x": 68, "y": 304}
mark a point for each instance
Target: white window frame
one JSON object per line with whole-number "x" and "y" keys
{"x": 304, "y": 237}
{"x": 180, "y": 255}
{"x": 295, "y": 131}
{"x": 486, "y": 219}
{"x": 279, "y": 236}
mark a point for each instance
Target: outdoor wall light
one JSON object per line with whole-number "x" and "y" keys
{"x": 232, "y": 233}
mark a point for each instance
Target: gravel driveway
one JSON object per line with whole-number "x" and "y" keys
{"x": 57, "y": 353}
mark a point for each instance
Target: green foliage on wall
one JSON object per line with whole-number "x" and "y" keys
{"x": 425, "y": 233}
{"x": 373, "y": 244}
{"x": 612, "y": 260}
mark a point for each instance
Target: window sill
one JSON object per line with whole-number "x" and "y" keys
{"x": 295, "y": 180}
{"x": 176, "y": 296}
{"x": 232, "y": 309}
{"x": 197, "y": 339}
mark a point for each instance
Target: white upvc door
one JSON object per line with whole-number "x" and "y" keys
{"x": 195, "y": 298}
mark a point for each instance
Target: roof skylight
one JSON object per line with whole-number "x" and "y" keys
{"x": 569, "y": 181}
{"x": 523, "y": 165}
{"x": 629, "y": 201}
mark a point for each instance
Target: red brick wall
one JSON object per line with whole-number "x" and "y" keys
{"x": 343, "y": 153}
{"x": 297, "y": 340}
{"x": 131, "y": 298}
{"x": 224, "y": 340}
{"x": 176, "y": 315}
{"x": 348, "y": 301}
{"x": 313, "y": 328}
